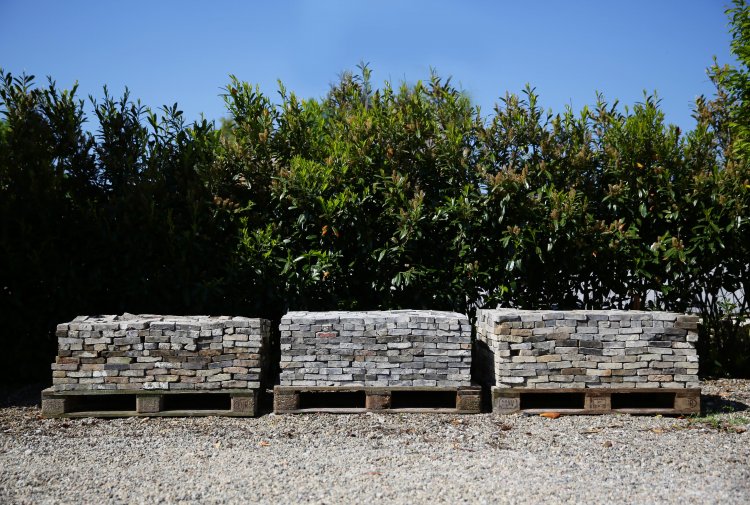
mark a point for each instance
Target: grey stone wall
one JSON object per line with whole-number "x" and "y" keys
{"x": 160, "y": 352}
{"x": 583, "y": 349}
{"x": 378, "y": 348}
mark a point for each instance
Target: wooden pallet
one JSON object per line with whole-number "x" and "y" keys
{"x": 358, "y": 399}
{"x": 156, "y": 403}
{"x": 597, "y": 401}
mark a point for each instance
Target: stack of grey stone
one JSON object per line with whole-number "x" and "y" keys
{"x": 136, "y": 352}
{"x": 585, "y": 349}
{"x": 376, "y": 348}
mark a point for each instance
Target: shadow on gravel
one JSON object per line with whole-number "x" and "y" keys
{"x": 715, "y": 404}
{"x": 21, "y": 395}
{"x": 265, "y": 401}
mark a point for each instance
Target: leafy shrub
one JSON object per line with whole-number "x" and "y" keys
{"x": 371, "y": 198}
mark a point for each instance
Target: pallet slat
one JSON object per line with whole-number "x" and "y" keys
{"x": 597, "y": 401}
{"x": 139, "y": 403}
{"x": 353, "y": 399}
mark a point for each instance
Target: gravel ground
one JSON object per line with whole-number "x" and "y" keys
{"x": 397, "y": 458}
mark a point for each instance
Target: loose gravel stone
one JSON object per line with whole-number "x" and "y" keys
{"x": 396, "y": 458}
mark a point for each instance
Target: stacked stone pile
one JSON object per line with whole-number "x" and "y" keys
{"x": 131, "y": 352}
{"x": 584, "y": 349}
{"x": 378, "y": 348}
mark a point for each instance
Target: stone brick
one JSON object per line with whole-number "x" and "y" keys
{"x": 586, "y": 349}
{"x": 404, "y": 348}
{"x": 180, "y": 352}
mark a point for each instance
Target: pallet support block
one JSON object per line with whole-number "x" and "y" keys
{"x": 149, "y": 404}
{"x": 596, "y": 401}
{"x": 505, "y": 403}
{"x": 688, "y": 401}
{"x": 53, "y": 407}
{"x": 245, "y": 404}
{"x": 469, "y": 400}
{"x": 285, "y": 401}
{"x": 378, "y": 401}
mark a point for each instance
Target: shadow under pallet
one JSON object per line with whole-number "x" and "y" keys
{"x": 597, "y": 401}
{"x": 359, "y": 399}
{"x": 150, "y": 403}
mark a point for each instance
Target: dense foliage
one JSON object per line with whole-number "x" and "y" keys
{"x": 372, "y": 198}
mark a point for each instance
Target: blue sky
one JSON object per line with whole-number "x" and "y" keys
{"x": 183, "y": 51}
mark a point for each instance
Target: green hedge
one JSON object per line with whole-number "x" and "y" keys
{"x": 368, "y": 198}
